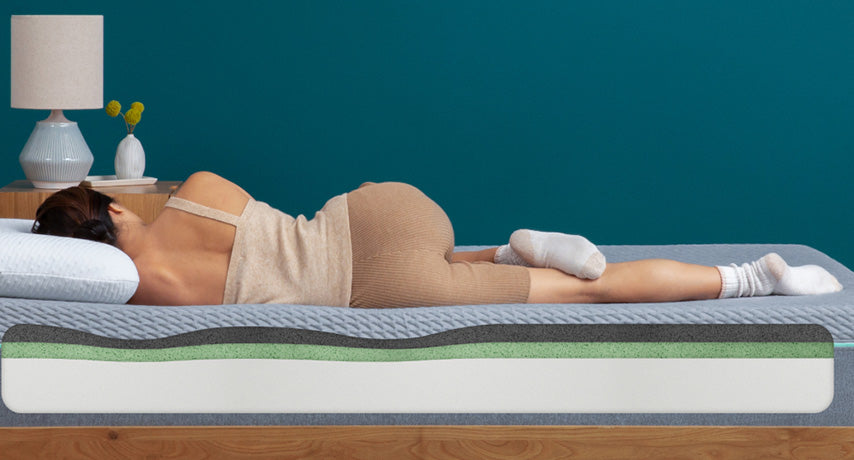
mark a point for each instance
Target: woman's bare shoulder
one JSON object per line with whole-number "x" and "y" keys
{"x": 212, "y": 190}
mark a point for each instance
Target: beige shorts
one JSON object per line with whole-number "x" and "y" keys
{"x": 402, "y": 245}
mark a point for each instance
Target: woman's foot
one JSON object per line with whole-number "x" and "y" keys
{"x": 572, "y": 254}
{"x": 803, "y": 280}
{"x": 772, "y": 275}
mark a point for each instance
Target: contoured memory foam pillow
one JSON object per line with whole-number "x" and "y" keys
{"x": 58, "y": 268}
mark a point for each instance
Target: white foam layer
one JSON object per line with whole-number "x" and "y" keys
{"x": 442, "y": 386}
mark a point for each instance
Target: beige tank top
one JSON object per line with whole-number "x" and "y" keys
{"x": 279, "y": 259}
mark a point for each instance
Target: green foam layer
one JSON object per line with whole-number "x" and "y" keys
{"x": 462, "y": 351}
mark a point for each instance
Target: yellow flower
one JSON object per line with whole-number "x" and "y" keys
{"x": 113, "y": 108}
{"x": 132, "y": 116}
{"x": 138, "y": 106}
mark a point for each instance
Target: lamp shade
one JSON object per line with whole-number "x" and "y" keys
{"x": 57, "y": 62}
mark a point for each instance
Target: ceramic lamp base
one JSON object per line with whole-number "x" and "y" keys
{"x": 56, "y": 155}
{"x": 53, "y": 185}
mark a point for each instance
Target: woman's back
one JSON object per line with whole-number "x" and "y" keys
{"x": 214, "y": 244}
{"x": 186, "y": 256}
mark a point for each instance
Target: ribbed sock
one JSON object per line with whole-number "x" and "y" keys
{"x": 772, "y": 275}
{"x": 572, "y": 254}
{"x": 507, "y": 256}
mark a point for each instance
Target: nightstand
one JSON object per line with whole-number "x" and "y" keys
{"x": 20, "y": 199}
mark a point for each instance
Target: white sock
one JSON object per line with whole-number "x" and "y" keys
{"x": 572, "y": 254}
{"x": 772, "y": 275}
{"x": 507, "y": 256}
{"x": 748, "y": 280}
{"x": 803, "y": 280}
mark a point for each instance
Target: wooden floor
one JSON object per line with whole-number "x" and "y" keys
{"x": 404, "y": 442}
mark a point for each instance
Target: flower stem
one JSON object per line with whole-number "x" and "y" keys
{"x": 127, "y": 127}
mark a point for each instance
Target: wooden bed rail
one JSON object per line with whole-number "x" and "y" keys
{"x": 425, "y": 442}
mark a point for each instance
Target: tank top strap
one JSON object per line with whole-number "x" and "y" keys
{"x": 202, "y": 211}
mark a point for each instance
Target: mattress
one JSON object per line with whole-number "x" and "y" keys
{"x": 831, "y": 311}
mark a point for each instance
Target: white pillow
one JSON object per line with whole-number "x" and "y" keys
{"x": 59, "y": 268}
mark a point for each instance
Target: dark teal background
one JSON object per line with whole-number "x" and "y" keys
{"x": 650, "y": 122}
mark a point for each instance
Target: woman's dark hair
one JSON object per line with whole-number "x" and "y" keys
{"x": 77, "y": 212}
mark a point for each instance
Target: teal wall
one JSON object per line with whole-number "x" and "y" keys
{"x": 631, "y": 122}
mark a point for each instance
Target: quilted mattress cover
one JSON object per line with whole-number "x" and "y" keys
{"x": 833, "y": 311}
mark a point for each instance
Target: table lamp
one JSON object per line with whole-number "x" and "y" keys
{"x": 57, "y": 64}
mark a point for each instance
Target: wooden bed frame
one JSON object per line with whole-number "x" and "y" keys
{"x": 429, "y": 441}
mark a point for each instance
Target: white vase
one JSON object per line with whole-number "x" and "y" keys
{"x": 130, "y": 158}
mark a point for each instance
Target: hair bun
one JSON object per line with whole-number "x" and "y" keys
{"x": 95, "y": 230}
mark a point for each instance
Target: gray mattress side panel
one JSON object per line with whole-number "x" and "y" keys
{"x": 840, "y": 413}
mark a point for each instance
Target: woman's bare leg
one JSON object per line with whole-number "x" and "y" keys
{"x": 650, "y": 280}
{"x": 485, "y": 255}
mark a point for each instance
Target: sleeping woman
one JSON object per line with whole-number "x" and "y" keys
{"x": 382, "y": 245}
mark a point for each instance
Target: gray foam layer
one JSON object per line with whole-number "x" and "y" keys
{"x": 492, "y": 333}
